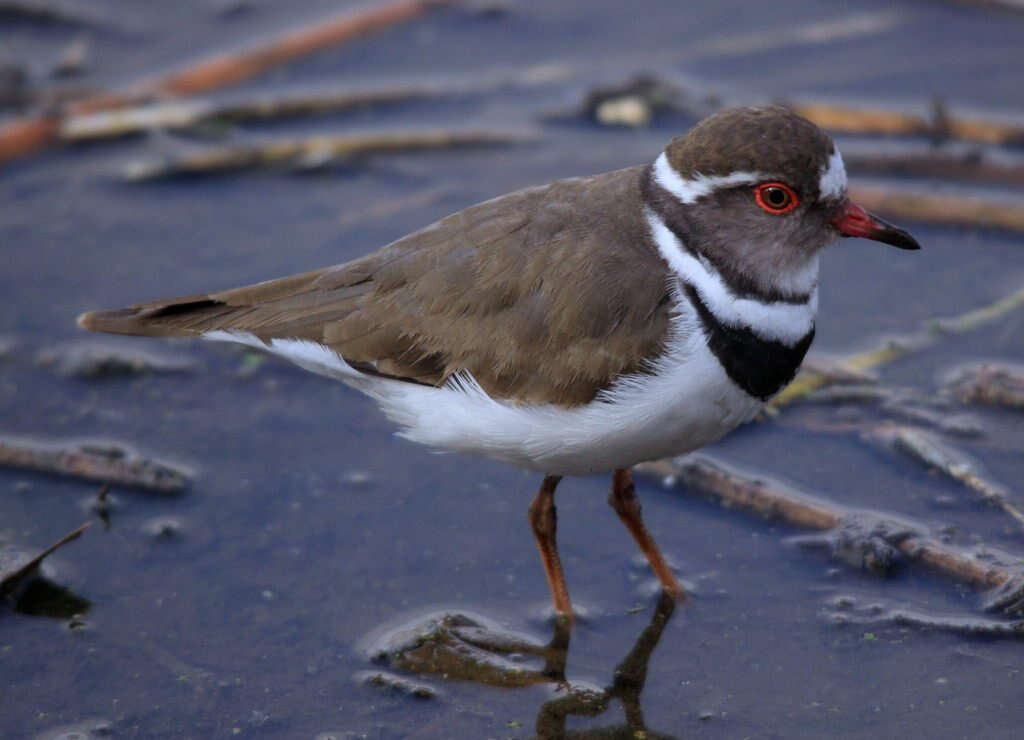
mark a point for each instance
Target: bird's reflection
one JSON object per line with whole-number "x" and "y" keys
{"x": 626, "y": 686}
{"x": 467, "y": 647}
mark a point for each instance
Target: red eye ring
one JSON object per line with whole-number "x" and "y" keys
{"x": 776, "y": 198}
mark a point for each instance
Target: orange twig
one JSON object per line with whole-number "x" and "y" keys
{"x": 25, "y": 136}
{"x": 230, "y": 69}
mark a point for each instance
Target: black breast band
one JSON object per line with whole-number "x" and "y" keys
{"x": 761, "y": 367}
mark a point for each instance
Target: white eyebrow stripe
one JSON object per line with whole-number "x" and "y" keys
{"x": 773, "y": 321}
{"x": 688, "y": 190}
{"x": 832, "y": 183}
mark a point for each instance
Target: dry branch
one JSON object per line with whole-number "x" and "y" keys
{"x": 972, "y": 166}
{"x": 850, "y": 119}
{"x": 959, "y": 210}
{"x": 773, "y": 501}
{"x": 309, "y": 152}
{"x": 892, "y": 349}
{"x": 230, "y": 69}
{"x": 26, "y": 136}
{"x": 183, "y": 114}
{"x": 101, "y": 462}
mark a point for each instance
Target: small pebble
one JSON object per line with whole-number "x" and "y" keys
{"x": 396, "y": 683}
{"x": 163, "y": 528}
{"x": 89, "y": 729}
{"x": 489, "y": 9}
{"x": 73, "y": 60}
{"x": 357, "y": 478}
{"x": 630, "y": 111}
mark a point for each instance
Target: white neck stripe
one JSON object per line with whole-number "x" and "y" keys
{"x": 832, "y": 182}
{"x": 689, "y": 190}
{"x": 782, "y": 322}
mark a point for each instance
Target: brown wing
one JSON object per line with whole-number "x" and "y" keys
{"x": 544, "y": 295}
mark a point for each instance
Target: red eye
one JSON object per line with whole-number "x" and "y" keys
{"x": 775, "y": 197}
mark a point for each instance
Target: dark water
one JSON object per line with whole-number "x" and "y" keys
{"x": 249, "y": 621}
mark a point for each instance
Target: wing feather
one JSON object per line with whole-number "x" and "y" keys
{"x": 546, "y": 295}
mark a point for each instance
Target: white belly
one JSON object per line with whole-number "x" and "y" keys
{"x": 689, "y": 402}
{"x": 686, "y": 403}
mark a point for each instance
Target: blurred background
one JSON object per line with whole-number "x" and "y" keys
{"x": 268, "y": 560}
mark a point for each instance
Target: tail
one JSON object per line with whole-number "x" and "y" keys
{"x": 183, "y": 317}
{"x": 289, "y": 306}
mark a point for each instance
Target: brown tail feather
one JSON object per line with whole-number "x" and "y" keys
{"x": 184, "y": 317}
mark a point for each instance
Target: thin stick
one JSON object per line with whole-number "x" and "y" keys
{"x": 12, "y": 578}
{"x": 313, "y": 151}
{"x": 230, "y": 69}
{"x": 183, "y": 114}
{"x": 772, "y": 501}
{"x": 26, "y": 136}
{"x": 961, "y": 166}
{"x": 863, "y": 120}
{"x": 104, "y": 463}
{"x": 892, "y": 349}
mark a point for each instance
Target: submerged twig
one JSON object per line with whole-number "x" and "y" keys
{"x": 903, "y": 403}
{"x": 923, "y": 447}
{"x": 183, "y": 114}
{"x": 313, "y": 151}
{"x": 895, "y": 348}
{"x": 102, "y": 359}
{"x": 24, "y": 136}
{"x": 844, "y": 610}
{"x": 101, "y": 462}
{"x": 772, "y": 501}
{"x": 998, "y": 385}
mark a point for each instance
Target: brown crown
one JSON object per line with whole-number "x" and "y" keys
{"x": 770, "y": 139}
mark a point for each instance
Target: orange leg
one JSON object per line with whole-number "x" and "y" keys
{"x": 544, "y": 521}
{"x": 623, "y": 500}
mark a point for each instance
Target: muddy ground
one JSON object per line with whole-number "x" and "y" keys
{"x": 244, "y": 606}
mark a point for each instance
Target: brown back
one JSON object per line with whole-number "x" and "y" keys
{"x": 546, "y": 295}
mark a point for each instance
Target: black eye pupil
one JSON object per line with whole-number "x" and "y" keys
{"x": 776, "y": 197}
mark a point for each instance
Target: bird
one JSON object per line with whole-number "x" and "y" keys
{"x": 578, "y": 327}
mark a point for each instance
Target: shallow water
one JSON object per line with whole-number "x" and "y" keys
{"x": 248, "y": 622}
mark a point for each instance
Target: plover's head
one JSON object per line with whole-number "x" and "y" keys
{"x": 759, "y": 192}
